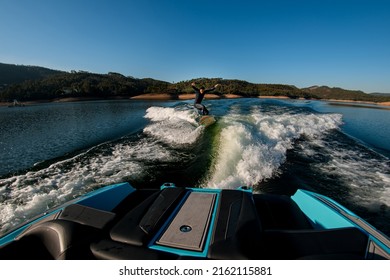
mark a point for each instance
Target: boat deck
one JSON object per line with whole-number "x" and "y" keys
{"x": 181, "y": 223}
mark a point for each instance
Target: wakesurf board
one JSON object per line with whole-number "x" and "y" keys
{"x": 206, "y": 120}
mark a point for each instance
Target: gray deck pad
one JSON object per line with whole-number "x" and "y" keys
{"x": 188, "y": 229}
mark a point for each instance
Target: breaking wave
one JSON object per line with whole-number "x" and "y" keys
{"x": 175, "y": 126}
{"x": 252, "y": 147}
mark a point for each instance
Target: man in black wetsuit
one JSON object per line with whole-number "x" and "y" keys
{"x": 200, "y": 92}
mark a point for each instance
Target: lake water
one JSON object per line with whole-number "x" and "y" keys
{"x": 51, "y": 153}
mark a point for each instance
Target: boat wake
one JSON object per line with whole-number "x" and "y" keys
{"x": 131, "y": 158}
{"x": 248, "y": 145}
{"x": 252, "y": 147}
{"x": 173, "y": 126}
{"x": 348, "y": 170}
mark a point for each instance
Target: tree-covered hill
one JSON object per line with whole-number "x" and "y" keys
{"x": 325, "y": 92}
{"x": 243, "y": 88}
{"x": 12, "y": 74}
{"x": 81, "y": 84}
{"x": 29, "y": 83}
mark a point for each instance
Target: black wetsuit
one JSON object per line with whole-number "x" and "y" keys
{"x": 198, "y": 100}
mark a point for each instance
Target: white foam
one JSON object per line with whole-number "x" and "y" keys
{"x": 179, "y": 133}
{"x": 30, "y": 194}
{"x": 158, "y": 114}
{"x": 384, "y": 195}
{"x": 364, "y": 174}
{"x": 252, "y": 148}
{"x": 173, "y": 126}
{"x": 25, "y": 196}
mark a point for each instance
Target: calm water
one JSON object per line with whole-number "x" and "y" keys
{"x": 369, "y": 124}
{"x": 37, "y": 133}
{"x": 51, "y": 153}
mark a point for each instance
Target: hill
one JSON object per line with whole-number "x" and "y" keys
{"x": 32, "y": 83}
{"x": 325, "y": 92}
{"x": 12, "y": 74}
{"x": 380, "y": 94}
{"x": 81, "y": 84}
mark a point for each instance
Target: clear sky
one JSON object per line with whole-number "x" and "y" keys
{"x": 339, "y": 43}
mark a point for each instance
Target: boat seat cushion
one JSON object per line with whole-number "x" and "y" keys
{"x": 140, "y": 223}
{"x": 280, "y": 212}
{"x": 28, "y": 248}
{"x": 237, "y": 232}
{"x": 87, "y": 216}
{"x": 315, "y": 244}
{"x": 111, "y": 250}
{"x": 59, "y": 239}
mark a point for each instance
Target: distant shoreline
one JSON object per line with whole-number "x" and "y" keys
{"x": 165, "y": 96}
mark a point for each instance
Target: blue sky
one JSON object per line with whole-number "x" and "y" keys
{"x": 338, "y": 43}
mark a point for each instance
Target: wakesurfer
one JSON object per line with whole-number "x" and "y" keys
{"x": 200, "y": 93}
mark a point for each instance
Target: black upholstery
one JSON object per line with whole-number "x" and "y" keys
{"x": 139, "y": 224}
{"x": 111, "y": 250}
{"x": 237, "y": 233}
{"x": 343, "y": 243}
{"x": 87, "y": 216}
{"x": 280, "y": 212}
{"x": 56, "y": 239}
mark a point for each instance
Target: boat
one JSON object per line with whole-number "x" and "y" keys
{"x": 120, "y": 222}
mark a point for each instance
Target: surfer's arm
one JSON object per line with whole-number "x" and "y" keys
{"x": 194, "y": 87}
{"x": 211, "y": 89}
